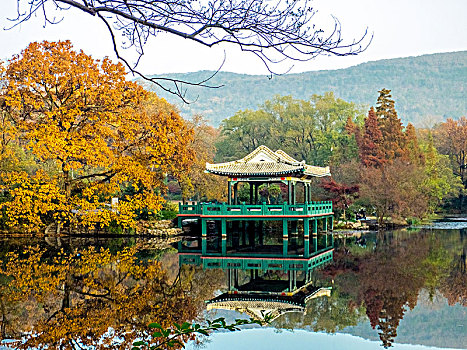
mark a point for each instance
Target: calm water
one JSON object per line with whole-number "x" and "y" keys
{"x": 403, "y": 289}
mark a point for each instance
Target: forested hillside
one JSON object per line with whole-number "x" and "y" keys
{"x": 427, "y": 88}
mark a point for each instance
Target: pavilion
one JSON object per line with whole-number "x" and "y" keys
{"x": 252, "y": 227}
{"x": 265, "y": 166}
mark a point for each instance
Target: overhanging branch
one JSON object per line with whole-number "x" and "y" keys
{"x": 274, "y": 31}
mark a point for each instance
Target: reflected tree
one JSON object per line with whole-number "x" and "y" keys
{"x": 87, "y": 298}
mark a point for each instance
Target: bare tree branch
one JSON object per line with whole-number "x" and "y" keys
{"x": 273, "y": 30}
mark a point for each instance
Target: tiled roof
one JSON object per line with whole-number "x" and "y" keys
{"x": 264, "y": 162}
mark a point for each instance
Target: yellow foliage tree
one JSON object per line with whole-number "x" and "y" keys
{"x": 196, "y": 183}
{"x": 97, "y": 133}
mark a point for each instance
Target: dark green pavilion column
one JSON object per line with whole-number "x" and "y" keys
{"x": 285, "y": 237}
{"x": 315, "y": 234}
{"x": 306, "y": 237}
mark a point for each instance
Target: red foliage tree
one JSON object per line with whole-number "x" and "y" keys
{"x": 343, "y": 195}
{"x": 371, "y": 146}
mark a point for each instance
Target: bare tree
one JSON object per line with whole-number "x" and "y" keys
{"x": 273, "y": 30}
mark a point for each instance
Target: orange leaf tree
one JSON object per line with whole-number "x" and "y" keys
{"x": 96, "y": 132}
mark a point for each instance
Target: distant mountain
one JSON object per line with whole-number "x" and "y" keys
{"x": 426, "y": 88}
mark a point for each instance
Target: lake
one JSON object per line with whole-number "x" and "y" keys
{"x": 404, "y": 289}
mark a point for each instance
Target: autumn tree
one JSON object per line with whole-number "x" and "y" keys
{"x": 74, "y": 298}
{"x": 97, "y": 132}
{"x": 194, "y": 182}
{"x": 451, "y": 139}
{"x": 371, "y": 150}
{"x": 390, "y": 125}
{"x": 394, "y": 190}
{"x": 343, "y": 195}
{"x": 284, "y": 31}
{"x": 412, "y": 147}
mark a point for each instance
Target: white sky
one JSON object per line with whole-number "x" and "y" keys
{"x": 401, "y": 28}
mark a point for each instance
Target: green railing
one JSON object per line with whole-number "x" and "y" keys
{"x": 222, "y": 209}
{"x": 256, "y": 263}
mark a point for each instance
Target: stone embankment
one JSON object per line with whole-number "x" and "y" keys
{"x": 159, "y": 228}
{"x": 349, "y": 225}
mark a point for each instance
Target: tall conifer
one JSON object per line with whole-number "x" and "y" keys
{"x": 391, "y": 126}
{"x": 413, "y": 151}
{"x": 371, "y": 145}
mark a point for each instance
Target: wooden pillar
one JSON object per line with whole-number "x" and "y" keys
{"x": 306, "y": 237}
{"x": 289, "y": 191}
{"x": 235, "y": 193}
{"x": 290, "y": 280}
{"x": 224, "y": 237}
{"x": 203, "y": 236}
{"x": 315, "y": 234}
{"x": 294, "y": 193}
{"x": 229, "y": 201}
{"x": 285, "y": 237}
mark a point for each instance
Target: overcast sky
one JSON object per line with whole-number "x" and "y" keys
{"x": 401, "y": 28}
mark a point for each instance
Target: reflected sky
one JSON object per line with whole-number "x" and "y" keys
{"x": 271, "y": 339}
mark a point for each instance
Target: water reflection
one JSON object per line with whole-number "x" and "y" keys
{"x": 261, "y": 278}
{"x": 89, "y": 297}
{"x": 395, "y": 286}
{"x": 377, "y": 278}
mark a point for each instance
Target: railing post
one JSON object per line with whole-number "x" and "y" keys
{"x": 263, "y": 209}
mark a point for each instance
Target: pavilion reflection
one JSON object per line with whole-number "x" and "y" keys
{"x": 263, "y": 276}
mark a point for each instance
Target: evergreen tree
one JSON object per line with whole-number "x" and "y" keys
{"x": 391, "y": 126}
{"x": 413, "y": 150}
{"x": 371, "y": 146}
